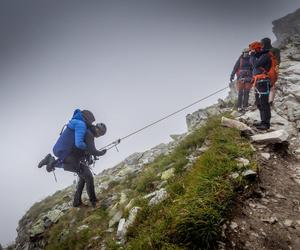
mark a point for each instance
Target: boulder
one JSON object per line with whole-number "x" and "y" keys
{"x": 277, "y": 136}
{"x": 125, "y": 224}
{"x": 236, "y": 124}
{"x": 157, "y": 196}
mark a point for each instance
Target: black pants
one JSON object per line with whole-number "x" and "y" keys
{"x": 243, "y": 93}
{"x": 72, "y": 163}
{"x": 262, "y": 101}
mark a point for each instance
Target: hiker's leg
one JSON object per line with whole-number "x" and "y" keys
{"x": 265, "y": 110}
{"x": 240, "y": 90}
{"x": 246, "y": 94}
{"x": 72, "y": 163}
{"x": 87, "y": 175}
{"x": 258, "y": 103}
{"x": 79, "y": 188}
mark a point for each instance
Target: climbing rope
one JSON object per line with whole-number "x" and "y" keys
{"x": 116, "y": 142}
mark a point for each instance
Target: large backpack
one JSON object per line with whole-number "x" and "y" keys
{"x": 273, "y": 72}
{"x": 244, "y": 72}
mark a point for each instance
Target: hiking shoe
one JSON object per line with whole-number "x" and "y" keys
{"x": 45, "y": 161}
{"x": 50, "y": 168}
{"x": 80, "y": 205}
{"x": 257, "y": 123}
{"x": 263, "y": 126}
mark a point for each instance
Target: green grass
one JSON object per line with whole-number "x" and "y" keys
{"x": 192, "y": 217}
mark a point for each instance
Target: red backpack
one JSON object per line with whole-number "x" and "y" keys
{"x": 273, "y": 72}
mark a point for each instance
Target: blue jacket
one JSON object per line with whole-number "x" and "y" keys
{"x": 72, "y": 137}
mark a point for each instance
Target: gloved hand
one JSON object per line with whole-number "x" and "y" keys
{"x": 103, "y": 152}
{"x": 231, "y": 78}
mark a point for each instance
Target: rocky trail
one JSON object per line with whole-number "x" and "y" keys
{"x": 268, "y": 216}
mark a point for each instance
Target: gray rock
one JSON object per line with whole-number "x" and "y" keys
{"x": 133, "y": 159}
{"x": 37, "y": 228}
{"x": 233, "y": 226}
{"x": 157, "y": 196}
{"x": 196, "y": 119}
{"x": 54, "y": 215}
{"x": 288, "y": 223}
{"x": 125, "y": 224}
{"x": 266, "y": 156}
{"x": 277, "y": 136}
{"x": 271, "y": 220}
{"x": 249, "y": 174}
{"x": 121, "y": 231}
{"x": 236, "y": 124}
{"x": 115, "y": 218}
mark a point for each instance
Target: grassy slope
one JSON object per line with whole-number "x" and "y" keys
{"x": 192, "y": 215}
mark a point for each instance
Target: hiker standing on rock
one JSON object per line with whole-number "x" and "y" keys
{"x": 73, "y": 150}
{"x": 274, "y": 53}
{"x": 261, "y": 63}
{"x": 243, "y": 70}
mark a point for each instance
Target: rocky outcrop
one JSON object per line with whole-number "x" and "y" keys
{"x": 286, "y": 27}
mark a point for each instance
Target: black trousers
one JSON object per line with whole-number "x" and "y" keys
{"x": 262, "y": 101}
{"x": 243, "y": 93}
{"x": 72, "y": 163}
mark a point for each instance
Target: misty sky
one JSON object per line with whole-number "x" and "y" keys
{"x": 130, "y": 62}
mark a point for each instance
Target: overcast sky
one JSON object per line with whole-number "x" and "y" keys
{"x": 130, "y": 62}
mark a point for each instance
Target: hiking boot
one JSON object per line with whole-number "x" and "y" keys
{"x": 94, "y": 204}
{"x": 48, "y": 159}
{"x": 263, "y": 126}
{"x": 80, "y": 205}
{"x": 50, "y": 168}
{"x": 257, "y": 123}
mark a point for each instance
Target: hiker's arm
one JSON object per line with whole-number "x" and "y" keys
{"x": 80, "y": 130}
{"x": 236, "y": 67}
{"x": 90, "y": 143}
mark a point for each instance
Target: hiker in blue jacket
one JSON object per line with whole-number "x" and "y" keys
{"x": 75, "y": 143}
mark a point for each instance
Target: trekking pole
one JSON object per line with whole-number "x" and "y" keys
{"x": 54, "y": 176}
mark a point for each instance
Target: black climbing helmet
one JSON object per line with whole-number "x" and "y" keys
{"x": 266, "y": 43}
{"x": 99, "y": 129}
{"x": 88, "y": 116}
